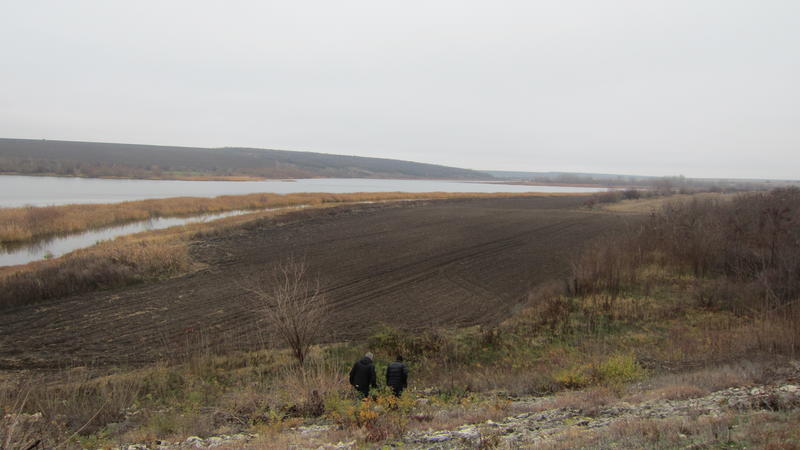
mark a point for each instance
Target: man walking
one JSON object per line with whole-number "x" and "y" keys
{"x": 362, "y": 375}
{"x": 397, "y": 376}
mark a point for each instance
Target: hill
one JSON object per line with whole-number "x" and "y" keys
{"x": 97, "y": 159}
{"x": 656, "y": 182}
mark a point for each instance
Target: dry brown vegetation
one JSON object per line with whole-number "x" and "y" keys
{"x": 123, "y": 261}
{"x": 146, "y": 256}
{"x": 744, "y": 253}
{"x": 293, "y": 304}
{"x": 32, "y": 223}
{"x": 751, "y": 429}
{"x": 107, "y": 265}
{"x": 647, "y": 205}
{"x": 701, "y": 297}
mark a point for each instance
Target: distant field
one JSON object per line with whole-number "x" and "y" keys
{"x": 410, "y": 264}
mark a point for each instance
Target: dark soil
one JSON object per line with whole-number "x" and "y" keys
{"x": 409, "y": 264}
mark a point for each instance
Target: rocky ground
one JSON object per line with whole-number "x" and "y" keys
{"x": 531, "y": 428}
{"x": 538, "y": 425}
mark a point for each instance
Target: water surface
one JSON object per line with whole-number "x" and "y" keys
{"x": 18, "y": 191}
{"x": 40, "y": 191}
{"x": 61, "y": 245}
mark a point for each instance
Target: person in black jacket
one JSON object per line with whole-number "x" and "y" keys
{"x": 397, "y": 376}
{"x": 362, "y": 375}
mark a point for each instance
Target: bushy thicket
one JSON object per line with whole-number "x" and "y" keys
{"x": 752, "y": 240}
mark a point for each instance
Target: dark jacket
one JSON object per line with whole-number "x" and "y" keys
{"x": 362, "y": 375}
{"x": 397, "y": 375}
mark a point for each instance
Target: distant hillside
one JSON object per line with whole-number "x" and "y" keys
{"x": 516, "y": 175}
{"x": 561, "y": 176}
{"x": 606, "y": 179}
{"x": 95, "y": 159}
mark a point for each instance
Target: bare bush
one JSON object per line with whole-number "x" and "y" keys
{"x": 606, "y": 266}
{"x": 293, "y": 305}
{"x": 752, "y": 240}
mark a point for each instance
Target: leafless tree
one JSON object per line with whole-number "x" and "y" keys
{"x": 292, "y": 304}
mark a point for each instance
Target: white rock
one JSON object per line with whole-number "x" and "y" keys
{"x": 467, "y": 432}
{"x": 439, "y": 436}
{"x": 194, "y": 441}
{"x": 214, "y": 441}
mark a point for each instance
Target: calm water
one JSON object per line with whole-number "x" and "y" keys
{"x": 55, "y": 247}
{"x": 40, "y": 191}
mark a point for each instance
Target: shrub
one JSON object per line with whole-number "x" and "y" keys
{"x": 615, "y": 370}
{"x": 293, "y": 305}
{"x": 619, "y": 368}
{"x": 575, "y": 377}
{"x": 380, "y": 416}
{"x": 631, "y": 194}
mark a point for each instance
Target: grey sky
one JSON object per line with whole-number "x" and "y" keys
{"x": 692, "y": 87}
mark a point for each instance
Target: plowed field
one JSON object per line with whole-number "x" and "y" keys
{"x": 408, "y": 264}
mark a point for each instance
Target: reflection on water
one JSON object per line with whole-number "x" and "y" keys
{"x": 56, "y": 246}
{"x": 40, "y": 191}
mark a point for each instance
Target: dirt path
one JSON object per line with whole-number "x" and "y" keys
{"x": 408, "y": 264}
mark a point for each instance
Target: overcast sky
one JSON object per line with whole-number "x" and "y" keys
{"x": 702, "y": 88}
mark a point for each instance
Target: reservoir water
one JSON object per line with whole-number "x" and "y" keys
{"x": 40, "y": 191}
{"x": 18, "y": 191}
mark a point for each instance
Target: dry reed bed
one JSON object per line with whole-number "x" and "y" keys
{"x": 32, "y": 223}
{"x": 127, "y": 260}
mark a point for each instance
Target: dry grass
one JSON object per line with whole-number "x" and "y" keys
{"x": 107, "y": 265}
{"x": 698, "y": 383}
{"x": 757, "y": 429}
{"x": 55, "y": 413}
{"x": 126, "y": 260}
{"x": 650, "y": 204}
{"x": 651, "y": 319}
{"x": 306, "y": 388}
{"x": 589, "y": 401}
{"x": 32, "y": 223}
{"x": 145, "y": 256}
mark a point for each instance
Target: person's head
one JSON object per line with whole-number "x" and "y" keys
{"x": 368, "y": 355}
{"x": 399, "y": 358}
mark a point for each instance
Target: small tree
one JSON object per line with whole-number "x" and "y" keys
{"x": 293, "y": 306}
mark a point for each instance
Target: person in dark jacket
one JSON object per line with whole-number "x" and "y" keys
{"x": 397, "y": 376}
{"x": 362, "y": 375}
